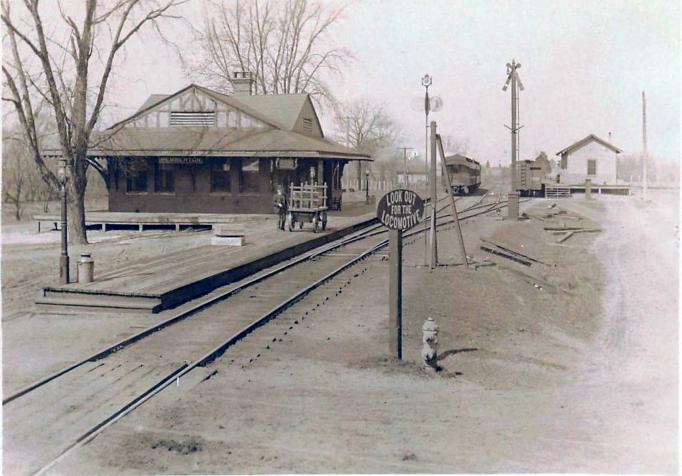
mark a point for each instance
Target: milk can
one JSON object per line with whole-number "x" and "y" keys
{"x": 86, "y": 268}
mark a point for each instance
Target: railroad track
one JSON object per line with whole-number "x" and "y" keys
{"x": 85, "y": 398}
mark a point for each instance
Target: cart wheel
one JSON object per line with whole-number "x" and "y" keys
{"x": 324, "y": 221}
{"x": 290, "y": 219}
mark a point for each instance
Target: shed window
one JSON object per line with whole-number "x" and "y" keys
{"x": 164, "y": 178}
{"x": 136, "y": 176}
{"x": 220, "y": 175}
{"x": 249, "y": 176}
{"x": 591, "y": 167}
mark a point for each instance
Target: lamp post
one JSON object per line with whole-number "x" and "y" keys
{"x": 63, "y": 175}
{"x": 426, "y": 82}
{"x": 366, "y": 186}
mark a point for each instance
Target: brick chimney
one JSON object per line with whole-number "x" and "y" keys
{"x": 242, "y": 83}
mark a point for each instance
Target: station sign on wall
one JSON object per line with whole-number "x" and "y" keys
{"x": 286, "y": 164}
{"x": 400, "y": 209}
{"x": 181, "y": 160}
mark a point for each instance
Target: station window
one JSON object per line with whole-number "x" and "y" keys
{"x": 164, "y": 178}
{"x": 220, "y": 175}
{"x": 591, "y": 167}
{"x": 249, "y": 176}
{"x": 136, "y": 176}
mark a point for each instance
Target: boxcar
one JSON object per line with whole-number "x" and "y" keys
{"x": 464, "y": 172}
{"x": 533, "y": 175}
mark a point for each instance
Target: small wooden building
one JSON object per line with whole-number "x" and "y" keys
{"x": 591, "y": 157}
{"x": 200, "y": 151}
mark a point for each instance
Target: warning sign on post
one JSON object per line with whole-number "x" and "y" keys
{"x": 400, "y": 209}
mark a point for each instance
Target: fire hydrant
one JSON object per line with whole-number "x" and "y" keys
{"x": 86, "y": 268}
{"x": 430, "y": 341}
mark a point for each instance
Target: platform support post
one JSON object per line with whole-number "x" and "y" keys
{"x": 395, "y": 294}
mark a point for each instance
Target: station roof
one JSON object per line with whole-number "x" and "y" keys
{"x": 585, "y": 141}
{"x": 278, "y": 135}
{"x": 213, "y": 142}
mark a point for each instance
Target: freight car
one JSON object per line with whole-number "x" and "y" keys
{"x": 533, "y": 175}
{"x": 464, "y": 172}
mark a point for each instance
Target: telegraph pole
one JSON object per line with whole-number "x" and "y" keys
{"x": 407, "y": 179}
{"x": 645, "y": 157}
{"x": 516, "y": 85}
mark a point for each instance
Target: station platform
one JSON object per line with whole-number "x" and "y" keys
{"x": 596, "y": 188}
{"x": 105, "y": 220}
{"x": 169, "y": 280}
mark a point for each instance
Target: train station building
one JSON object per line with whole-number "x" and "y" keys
{"x": 201, "y": 151}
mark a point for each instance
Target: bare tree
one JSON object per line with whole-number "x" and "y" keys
{"x": 365, "y": 127}
{"x": 42, "y": 66}
{"x": 284, "y": 44}
{"x": 21, "y": 180}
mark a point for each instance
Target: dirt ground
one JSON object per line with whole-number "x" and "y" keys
{"x": 568, "y": 366}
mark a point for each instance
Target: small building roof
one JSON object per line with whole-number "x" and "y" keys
{"x": 587, "y": 140}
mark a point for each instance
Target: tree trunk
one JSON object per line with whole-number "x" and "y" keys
{"x": 76, "y": 203}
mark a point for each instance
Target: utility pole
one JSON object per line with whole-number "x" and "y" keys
{"x": 516, "y": 85}
{"x": 407, "y": 179}
{"x": 434, "y": 192}
{"x": 645, "y": 157}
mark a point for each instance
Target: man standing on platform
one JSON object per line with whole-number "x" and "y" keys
{"x": 280, "y": 203}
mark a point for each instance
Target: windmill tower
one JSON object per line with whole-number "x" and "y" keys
{"x": 516, "y": 86}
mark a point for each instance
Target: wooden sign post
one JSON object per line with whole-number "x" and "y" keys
{"x": 398, "y": 210}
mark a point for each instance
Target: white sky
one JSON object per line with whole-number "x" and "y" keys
{"x": 584, "y": 65}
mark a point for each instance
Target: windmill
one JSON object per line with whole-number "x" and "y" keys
{"x": 516, "y": 85}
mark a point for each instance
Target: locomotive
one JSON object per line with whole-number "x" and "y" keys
{"x": 464, "y": 172}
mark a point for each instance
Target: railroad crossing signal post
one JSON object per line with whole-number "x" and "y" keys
{"x": 398, "y": 210}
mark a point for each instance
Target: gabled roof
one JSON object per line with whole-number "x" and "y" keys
{"x": 277, "y": 139}
{"x": 156, "y": 99}
{"x": 583, "y": 142}
{"x": 283, "y": 108}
